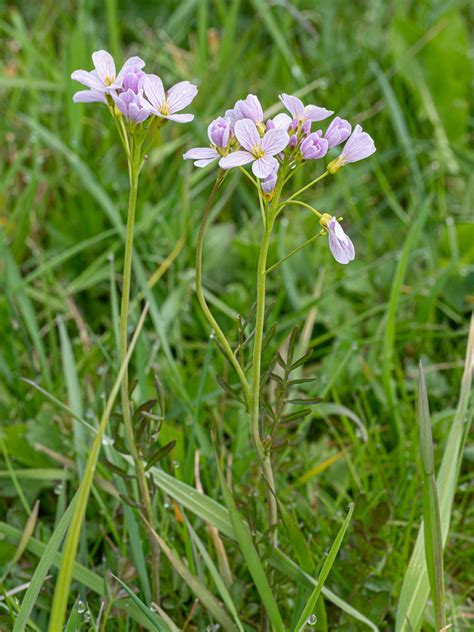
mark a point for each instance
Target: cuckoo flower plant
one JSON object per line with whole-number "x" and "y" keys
{"x": 276, "y": 149}
{"x": 139, "y": 106}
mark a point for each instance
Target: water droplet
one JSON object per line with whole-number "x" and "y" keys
{"x": 312, "y": 619}
{"x": 87, "y": 616}
{"x": 350, "y": 505}
{"x": 102, "y": 370}
{"x": 326, "y": 552}
{"x": 89, "y": 413}
{"x": 166, "y": 505}
{"x": 81, "y": 607}
{"x": 176, "y": 464}
{"x": 58, "y": 489}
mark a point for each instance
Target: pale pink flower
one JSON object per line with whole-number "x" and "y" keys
{"x": 259, "y": 151}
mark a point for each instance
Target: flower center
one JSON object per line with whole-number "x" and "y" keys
{"x": 258, "y": 152}
{"x": 109, "y": 81}
{"x": 165, "y": 109}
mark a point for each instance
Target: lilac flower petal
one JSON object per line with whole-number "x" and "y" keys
{"x": 236, "y": 159}
{"x": 338, "y": 131}
{"x": 249, "y": 108}
{"x": 315, "y": 113}
{"x": 180, "y": 118}
{"x": 181, "y": 95}
{"x": 359, "y": 146}
{"x": 282, "y": 121}
{"x": 313, "y": 146}
{"x": 340, "y": 245}
{"x": 89, "y": 79}
{"x": 89, "y": 96}
{"x": 274, "y": 141}
{"x": 201, "y": 153}
{"x": 269, "y": 184}
{"x": 154, "y": 91}
{"x": 247, "y": 134}
{"x": 264, "y": 166}
{"x": 131, "y": 64}
{"x": 203, "y": 163}
{"x": 105, "y": 66}
{"x": 219, "y": 131}
{"x": 137, "y": 113}
{"x": 294, "y": 105}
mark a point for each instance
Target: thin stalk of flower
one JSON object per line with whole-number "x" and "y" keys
{"x": 134, "y": 165}
{"x": 264, "y": 451}
{"x": 307, "y": 186}
{"x": 294, "y": 252}
{"x": 299, "y": 203}
{"x": 200, "y": 294}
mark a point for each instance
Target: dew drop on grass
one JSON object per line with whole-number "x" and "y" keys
{"x": 87, "y": 616}
{"x": 81, "y": 607}
{"x": 58, "y": 489}
{"x": 312, "y": 619}
{"x": 176, "y": 464}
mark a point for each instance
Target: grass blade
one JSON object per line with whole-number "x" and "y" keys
{"x": 81, "y": 574}
{"x": 219, "y": 582}
{"x": 211, "y": 512}
{"x": 390, "y": 330}
{"x": 152, "y": 617}
{"x": 202, "y": 593}
{"x": 328, "y": 562}
{"x": 250, "y": 555}
{"x": 431, "y": 517}
{"x": 63, "y": 583}
{"x": 45, "y": 563}
{"x": 415, "y": 588}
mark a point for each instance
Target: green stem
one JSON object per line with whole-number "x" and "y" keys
{"x": 323, "y": 175}
{"x": 263, "y": 454}
{"x": 202, "y": 301}
{"x": 134, "y": 171}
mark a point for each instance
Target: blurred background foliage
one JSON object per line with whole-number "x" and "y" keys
{"x": 402, "y": 69}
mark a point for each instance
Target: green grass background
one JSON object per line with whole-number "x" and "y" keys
{"x": 403, "y": 70}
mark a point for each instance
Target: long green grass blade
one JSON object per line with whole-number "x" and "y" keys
{"x": 416, "y": 588}
{"x": 63, "y": 583}
{"x": 81, "y": 574}
{"x": 219, "y": 582}
{"x": 310, "y": 606}
{"x": 431, "y": 517}
{"x": 390, "y": 329}
{"x": 210, "y": 511}
{"x": 156, "y": 621}
{"x": 202, "y": 593}
{"x": 45, "y": 563}
{"x": 251, "y": 557}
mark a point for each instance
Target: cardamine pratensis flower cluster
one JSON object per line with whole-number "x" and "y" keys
{"x": 277, "y": 146}
{"x": 136, "y": 95}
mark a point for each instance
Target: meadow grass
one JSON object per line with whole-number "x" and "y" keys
{"x": 402, "y": 71}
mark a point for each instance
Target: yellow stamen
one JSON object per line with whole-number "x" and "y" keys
{"x": 165, "y": 109}
{"x": 109, "y": 81}
{"x": 258, "y": 152}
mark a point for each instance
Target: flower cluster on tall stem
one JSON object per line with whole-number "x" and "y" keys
{"x": 276, "y": 149}
{"x": 140, "y": 106}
